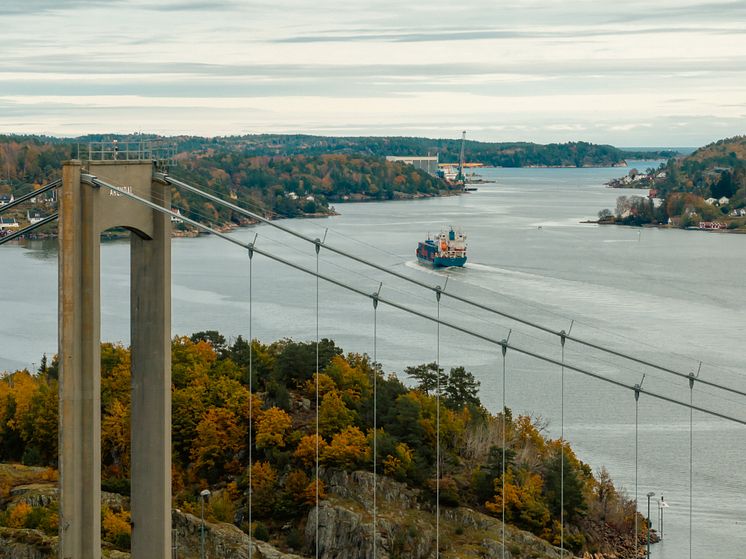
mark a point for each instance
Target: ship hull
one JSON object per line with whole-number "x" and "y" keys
{"x": 440, "y": 262}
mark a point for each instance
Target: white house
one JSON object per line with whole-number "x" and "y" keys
{"x": 7, "y": 223}
{"x": 176, "y": 218}
{"x": 723, "y": 201}
{"x": 36, "y": 217}
{"x": 711, "y": 201}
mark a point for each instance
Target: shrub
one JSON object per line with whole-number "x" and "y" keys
{"x": 261, "y": 532}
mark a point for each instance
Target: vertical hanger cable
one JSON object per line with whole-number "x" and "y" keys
{"x": 504, "y": 443}
{"x": 251, "y": 394}
{"x": 437, "y": 428}
{"x": 318, "y": 510}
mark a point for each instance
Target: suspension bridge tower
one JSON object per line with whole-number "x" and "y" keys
{"x": 86, "y": 211}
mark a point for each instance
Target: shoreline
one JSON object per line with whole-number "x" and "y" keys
{"x": 114, "y": 235}
{"x": 738, "y": 231}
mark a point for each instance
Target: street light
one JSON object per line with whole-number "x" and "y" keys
{"x": 661, "y": 505}
{"x": 206, "y": 493}
{"x": 651, "y": 494}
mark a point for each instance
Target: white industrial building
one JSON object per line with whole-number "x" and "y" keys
{"x": 426, "y": 163}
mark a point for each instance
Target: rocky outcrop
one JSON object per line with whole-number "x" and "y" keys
{"x": 26, "y": 544}
{"x": 222, "y": 541}
{"x": 35, "y": 494}
{"x": 405, "y": 526}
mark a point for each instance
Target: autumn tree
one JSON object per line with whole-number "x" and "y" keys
{"x": 305, "y": 452}
{"x": 348, "y": 449}
{"x": 271, "y": 428}
{"x": 334, "y": 415}
{"x": 219, "y": 439}
{"x": 263, "y": 488}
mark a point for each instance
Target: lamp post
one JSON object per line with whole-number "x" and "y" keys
{"x": 206, "y": 493}
{"x": 651, "y": 494}
{"x": 661, "y": 516}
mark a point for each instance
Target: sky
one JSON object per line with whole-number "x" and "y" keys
{"x": 634, "y": 73}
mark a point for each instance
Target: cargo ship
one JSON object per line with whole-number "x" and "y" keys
{"x": 446, "y": 249}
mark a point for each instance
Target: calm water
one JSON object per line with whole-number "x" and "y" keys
{"x": 675, "y": 297}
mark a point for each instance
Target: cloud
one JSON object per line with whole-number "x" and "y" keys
{"x": 497, "y": 34}
{"x": 193, "y": 6}
{"x": 37, "y": 7}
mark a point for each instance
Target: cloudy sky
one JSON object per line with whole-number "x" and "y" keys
{"x": 634, "y": 73}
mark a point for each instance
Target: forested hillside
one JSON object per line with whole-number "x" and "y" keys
{"x": 707, "y": 185}
{"x": 273, "y": 184}
{"x": 212, "y": 407}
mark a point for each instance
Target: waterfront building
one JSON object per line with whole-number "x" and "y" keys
{"x": 426, "y": 163}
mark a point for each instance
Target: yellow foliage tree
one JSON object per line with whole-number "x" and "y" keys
{"x": 524, "y": 505}
{"x": 18, "y": 514}
{"x": 334, "y": 415}
{"x": 352, "y": 381}
{"x": 115, "y": 524}
{"x": 309, "y": 494}
{"x": 219, "y": 440}
{"x": 398, "y": 464}
{"x": 306, "y": 449}
{"x": 326, "y": 385}
{"x": 115, "y": 436}
{"x": 271, "y": 427}
{"x": 348, "y": 449}
{"x": 263, "y": 487}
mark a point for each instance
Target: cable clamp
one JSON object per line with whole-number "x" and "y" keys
{"x": 504, "y": 342}
{"x": 251, "y": 246}
{"x": 638, "y": 388}
{"x": 375, "y": 295}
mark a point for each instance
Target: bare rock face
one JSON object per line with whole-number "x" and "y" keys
{"x": 26, "y": 544}
{"x": 35, "y": 495}
{"x": 222, "y": 541}
{"x": 405, "y": 526}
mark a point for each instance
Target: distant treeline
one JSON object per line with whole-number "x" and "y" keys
{"x": 495, "y": 154}
{"x": 272, "y": 183}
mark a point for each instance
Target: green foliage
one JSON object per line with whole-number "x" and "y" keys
{"x": 461, "y": 389}
{"x": 261, "y": 532}
{"x": 296, "y": 361}
{"x": 574, "y": 499}
{"x": 428, "y": 377}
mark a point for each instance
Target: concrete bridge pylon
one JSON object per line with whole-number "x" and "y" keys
{"x": 85, "y": 212}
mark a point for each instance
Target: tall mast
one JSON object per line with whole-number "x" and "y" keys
{"x": 461, "y": 159}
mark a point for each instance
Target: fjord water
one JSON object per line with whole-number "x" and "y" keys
{"x": 673, "y": 297}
